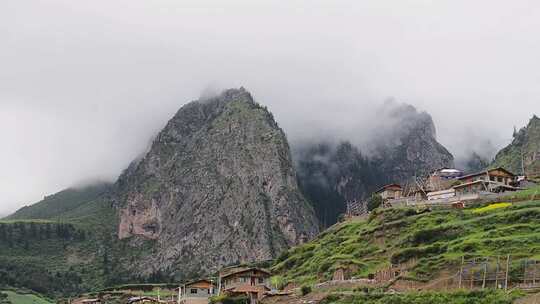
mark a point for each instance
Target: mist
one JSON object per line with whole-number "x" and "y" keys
{"x": 84, "y": 86}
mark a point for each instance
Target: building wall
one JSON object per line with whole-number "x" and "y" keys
{"x": 194, "y": 292}
{"x": 390, "y": 194}
{"x": 494, "y": 176}
{"x": 441, "y": 194}
{"x": 246, "y": 279}
{"x": 474, "y": 188}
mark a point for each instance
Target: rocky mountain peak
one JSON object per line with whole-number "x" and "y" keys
{"x": 217, "y": 184}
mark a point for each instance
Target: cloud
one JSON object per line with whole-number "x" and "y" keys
{"x": 85, "y": 85}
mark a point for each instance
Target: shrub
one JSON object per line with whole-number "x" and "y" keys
{"x": 375, "y": 201}
{"x": 304, "y": 290}
{"x": 278, "y": 282}
{"x": 229, "y": 300}
{"x": 491, "y": 207}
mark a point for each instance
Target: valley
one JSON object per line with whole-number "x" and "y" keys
{"x": 220, "y": 187}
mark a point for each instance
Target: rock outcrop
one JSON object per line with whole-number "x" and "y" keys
{"x": 217, "y": 187}
{"x": 403, "y": 144}
{"x": 407, "y": 146}
{"x": 522, "y": 156}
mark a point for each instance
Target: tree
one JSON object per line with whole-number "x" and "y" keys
{"x": 375, "y": 201}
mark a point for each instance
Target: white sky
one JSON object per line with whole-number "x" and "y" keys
{"x": 85, "y": 84}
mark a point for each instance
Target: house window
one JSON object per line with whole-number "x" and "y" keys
{"x": 261, "y": 280}
{"x": 492, "y": 178}
{"x": 500, "y": 179}
{"x": 193, "y": 291}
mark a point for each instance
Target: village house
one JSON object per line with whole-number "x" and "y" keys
{"x": 498, "y": 175}
{"x": 197, "y": 292}
{"x": 250, "y": 281}
{"x": 390, "y": 192}
{"x": 442, "y": 179}
{"x": 493, "y": 180}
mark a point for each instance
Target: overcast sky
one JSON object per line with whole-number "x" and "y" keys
{"x": 84, "y": 85}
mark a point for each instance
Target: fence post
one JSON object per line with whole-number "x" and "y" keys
{"x": 484, "y": 278}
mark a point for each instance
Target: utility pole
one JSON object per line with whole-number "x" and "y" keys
{"x": 497, "y": 273}
{"x": 179, "y": 294}
{"x": 525, "y": 271}
{"x": 219, "y": 284}
{"x": 522, "y": 162}
{"x": 461, "y": 270}
{"x": 506, "y": 277}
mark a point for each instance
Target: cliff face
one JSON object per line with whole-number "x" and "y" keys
{"x": 217, "y": 187}
{"x": 409, "y": 146}
{"x": 403, "y": 145}
{"x": 523, "y": 152}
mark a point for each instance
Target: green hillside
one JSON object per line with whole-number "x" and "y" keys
{"x": 62, "y": 204}
{"x": 16, "y": 297}
{"x": 68, "y": 248}
{"x": 436, "y": 239}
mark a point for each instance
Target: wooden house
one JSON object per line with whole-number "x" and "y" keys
{"x": 492, "y": 180}
{"x": 391, "y": 191}
{"x": 250, "y": 281}
{"x": 497, "y": 175}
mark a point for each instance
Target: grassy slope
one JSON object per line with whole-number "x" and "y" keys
{"x": 61, "y": 204}
{"x": 461, "y": 297}
{"x": 24, "y": 298}
{"x": 437, "y": 239}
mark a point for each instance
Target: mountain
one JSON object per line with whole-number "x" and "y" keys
{"x": 523, "y": 152}
{"x": 217, "y": 187}
{"x": 403, "y": 145}
{"x": 406, "y": 143}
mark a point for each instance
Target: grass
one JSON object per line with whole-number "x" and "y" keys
{"x": 24, "y": 298}
{"x": 436, "y": 240}
{"x": 528, "y": 194}
{"x": 460, "y": 297}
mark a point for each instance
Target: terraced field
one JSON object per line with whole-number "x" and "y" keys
{"x": 433, "y": 240}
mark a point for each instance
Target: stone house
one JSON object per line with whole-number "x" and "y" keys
{"x": 197, "y": 292}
